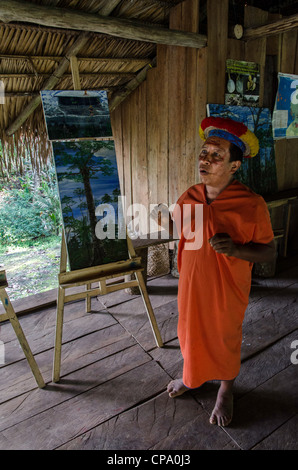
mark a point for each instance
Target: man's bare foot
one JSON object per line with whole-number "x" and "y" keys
{"x": 176, "y": 388}
{"x": 223, "y": 411}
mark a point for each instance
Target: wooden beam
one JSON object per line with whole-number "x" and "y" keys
{"x": 29, "y": 94}
{"x": 270, "y": 29}
{"x": 91, "y": 75}
{"x": 75, "y": 73}
{"x": 98, "y": 60}
{"x": 14, "y": 10}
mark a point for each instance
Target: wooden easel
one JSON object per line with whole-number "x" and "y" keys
{"x": 12, "y": 317}
{"x": 98, "y": 274}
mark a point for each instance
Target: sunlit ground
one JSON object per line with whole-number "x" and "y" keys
{"x": 31, "y": 268}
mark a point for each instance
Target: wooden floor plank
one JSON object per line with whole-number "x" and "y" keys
{"x": 75, "y": 416}
{"x": 137, "y": 324}
{"x": 267, "y": 330}
{"x": 266, "y": 408}
{"x": 284, "y": 438}
{"x": 156, "y": 424}
{"x": 17, "y": 378}
{"x": 112, "y": 391}
{"x": 170, "y": 358}
{"x": 141, "y": 427}
{"x": 157, "y": 288}
{"x": 36, "y": 401}
{"x": 262, "y": 306}
{"x": 43, "y": 339}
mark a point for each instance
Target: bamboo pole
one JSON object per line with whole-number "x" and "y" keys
{"x": 270, "y": 29}
{"x": 118, "y": 97}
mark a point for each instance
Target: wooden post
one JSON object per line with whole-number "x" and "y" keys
{"x": 75, "y": 73}
{"x": 217, "y": 15}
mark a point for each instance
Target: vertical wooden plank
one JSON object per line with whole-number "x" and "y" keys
{"x": 280, "y": 157}
{"x": 176, "y": 71}
{"x": 141, "y": 178}
{"x": 296, "y": 59}
{"x": 139, "y": 181}
{"x": 273, "y": 42}
{"x": 126, "y": 149}
{"x": 161, "y": 90}
{"x": 217, "y": 16}
{"x": 288, "y": 51}
{"x": 202, "y": 62}
{"x": 255, "y": 50}
{"x": 153, "y": 107}
{"x": 116, "y": 122}
{"x": 286, "y": 150}
{"x": 235, "y": 49}
{"x": 190, "y": 22}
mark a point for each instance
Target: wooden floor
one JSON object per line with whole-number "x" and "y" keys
{"x": 112, "y": 391}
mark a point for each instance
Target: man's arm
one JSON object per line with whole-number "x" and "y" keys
{"x": 252, "y": 252}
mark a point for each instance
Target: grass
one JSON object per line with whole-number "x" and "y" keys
{"x": 31, "y": 267}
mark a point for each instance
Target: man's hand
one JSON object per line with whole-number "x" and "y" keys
{"x": 222, "y": 243}
{"x": 252, "y": 252}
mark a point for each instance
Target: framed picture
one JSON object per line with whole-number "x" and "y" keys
{"x": 89, "y": 192}
{"x": 242, "y": 83}
{"x": 76, "y": 114}
{"x": 285, "y": 114}
{"x": 259, "y": 172}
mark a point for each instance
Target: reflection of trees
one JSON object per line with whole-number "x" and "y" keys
{"x": 82, "y": 167}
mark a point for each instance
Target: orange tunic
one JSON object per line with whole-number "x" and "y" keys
{"x": 214, "y": 289}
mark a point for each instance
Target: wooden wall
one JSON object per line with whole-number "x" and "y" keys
{"x": 156, "y": 127}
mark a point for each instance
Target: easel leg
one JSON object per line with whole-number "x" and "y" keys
{"x": 88, "y": 299}
{"x": 21, "y": 337}
{"x": 59, "y": 331}
{"x": 149, "y": 309}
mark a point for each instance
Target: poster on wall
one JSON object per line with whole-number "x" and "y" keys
{"x": 259, "y": 172}
{"x": 76, "y": 114}
{"x": 285, "y": 114}
{"x": 89, "y": 192}
{"x": 242, "y": 83}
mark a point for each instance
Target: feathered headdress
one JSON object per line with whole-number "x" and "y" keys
{"x": 233, "y": 131}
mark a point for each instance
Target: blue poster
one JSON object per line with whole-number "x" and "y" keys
{"x": 285, "y": 115}
{"x": 259, "y": 172}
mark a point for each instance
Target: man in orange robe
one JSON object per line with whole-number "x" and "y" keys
{"x": 215, "y": 273}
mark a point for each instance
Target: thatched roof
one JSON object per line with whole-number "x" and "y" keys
{"x": 33, "y": 51}
{"x": 30, "y": 54}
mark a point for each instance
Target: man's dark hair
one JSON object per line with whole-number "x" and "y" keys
{"x": 235, "y": 153}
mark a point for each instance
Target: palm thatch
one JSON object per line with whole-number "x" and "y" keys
{"x": 30, "y": 54}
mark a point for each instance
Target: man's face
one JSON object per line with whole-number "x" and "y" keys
{"x": 214, "y": 162}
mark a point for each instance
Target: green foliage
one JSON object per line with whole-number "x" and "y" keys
{"x": 29, "y": 206}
